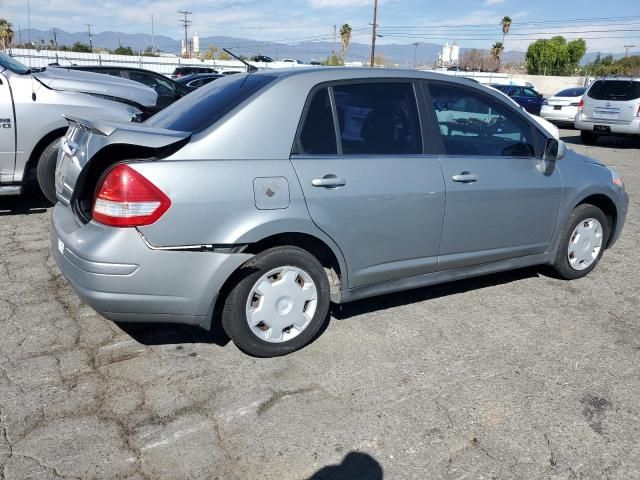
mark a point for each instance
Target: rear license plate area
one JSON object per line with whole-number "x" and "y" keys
{"x": 602, "y": 128}
{"x": 557, "y": 107}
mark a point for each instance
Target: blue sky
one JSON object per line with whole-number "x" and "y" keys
{"x": 469, "y": 22}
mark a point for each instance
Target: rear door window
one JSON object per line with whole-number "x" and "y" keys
{"x": 378, "y": 118}
{"x": 472, "y": 124}
{"x": 612, "y": 90}
{"x": 318, "y": 135}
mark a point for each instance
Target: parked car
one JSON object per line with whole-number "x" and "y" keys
{"x": 563, "y": 106}
{"x": 292, "y": 61}
{"x": 611, "y": 106}
{"x": 262, "y": 58}
{"x": 197, "y": 80}
{"x": 183, "y": 71}
{"x": 32, "y": 105}
{"x": 168, "y": 90}
{"x": 525, "y": 96}
{"x": 210, "y": 209}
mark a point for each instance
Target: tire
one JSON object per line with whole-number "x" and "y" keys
{"x": 588, "y": 138}
{"x": 285, "y": 261}
{"x": 562, "y": 267}
{"x": 46, "y": 170}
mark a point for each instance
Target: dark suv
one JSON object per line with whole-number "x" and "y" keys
{"x": 524, "y": 96}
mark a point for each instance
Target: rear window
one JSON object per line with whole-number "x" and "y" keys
{"x": 205, "y": 106}
{"x": 571, "y": 92}
{"x": 621, "y": 90}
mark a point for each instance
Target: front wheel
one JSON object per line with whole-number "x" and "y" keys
{"x": 588, "y": 138}
{"x": 582, "y": 243}
{"x": 46, "y": 170}
{"x": 279, "y": 303}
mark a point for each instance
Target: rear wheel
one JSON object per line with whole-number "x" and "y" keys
{"x": 583, "y": 241}
{"x": 588, "y": 138}
{"x": 279, "y": 303}
{"x": 46, "y": 170}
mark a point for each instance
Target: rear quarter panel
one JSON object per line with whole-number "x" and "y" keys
{"x": 214, "y": 203}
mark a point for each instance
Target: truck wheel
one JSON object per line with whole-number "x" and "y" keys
{"x": 46, "y": 170}
{"x": 279, "y": 303}
{"x": 588, "y": 138}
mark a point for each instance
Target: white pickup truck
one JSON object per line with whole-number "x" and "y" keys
{"x": 32, "y": 105}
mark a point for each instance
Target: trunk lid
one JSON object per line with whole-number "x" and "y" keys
{"x": 90, "y": 147}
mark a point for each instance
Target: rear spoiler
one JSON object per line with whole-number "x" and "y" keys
{"x": 129, "y": 132}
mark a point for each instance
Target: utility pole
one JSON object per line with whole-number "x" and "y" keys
{"x": 55, "y": 38}
{"x": 90, "y": 37}
{"x": 153, "y": 38}
{"x": 185, "y": 23}
{"x": 373, "y": 35}
{"x": 415, "y": 52}
{"x": 20, "y": 36}
{"x": 627, "y": 47}
{"x": 333, "y": 45}
{"x": 29, "y": 22}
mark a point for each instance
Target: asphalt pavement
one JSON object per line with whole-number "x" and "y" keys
{"x": 515, "y": 375}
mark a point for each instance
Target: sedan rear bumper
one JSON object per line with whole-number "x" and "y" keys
{"x": 566, "y": 114}
{"x": 115, "y": 272}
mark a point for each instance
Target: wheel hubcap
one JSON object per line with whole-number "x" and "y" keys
{"x": 585, "y": 244}
{"x": 281, "y": 304}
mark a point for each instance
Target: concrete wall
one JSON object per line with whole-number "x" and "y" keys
{"x": 546, "y": 84}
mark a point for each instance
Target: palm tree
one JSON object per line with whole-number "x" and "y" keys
{"x": 506, "y": 25}
{"x": 496, "y": 52}
{"x": 6, "y": 33}
{"x": 345, "y": 37}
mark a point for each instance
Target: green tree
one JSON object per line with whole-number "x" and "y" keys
{"x": 555, "y": 56}
{"x": 211, "y": 52}
{"x": 506, "y": 26}
{"x": 80, "y": 47}
{"x": 497, "y": 49}
{"x": 345, "y": 38}
{"x": 6, "y": 33}
{"x": 123, "y": 51}
{"x": 333, "y": 61}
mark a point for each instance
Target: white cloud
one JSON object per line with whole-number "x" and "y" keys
{"x": 489, "y": 3}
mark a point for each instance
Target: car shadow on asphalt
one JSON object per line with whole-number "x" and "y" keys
{"x": 605, "y": 141}
{"x": 355, "y": 465}
{"x": 30, "y": 202}
{"x": 175, "y": 334}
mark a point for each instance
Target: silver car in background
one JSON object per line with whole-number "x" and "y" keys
{"x": 611, "y": 106}
{"x": 32, "y": 105}
{"x": 259, "y": 199}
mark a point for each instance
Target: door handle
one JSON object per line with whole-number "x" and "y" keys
{"x": 465, "y": 177}
{"x": 328, "y": 181}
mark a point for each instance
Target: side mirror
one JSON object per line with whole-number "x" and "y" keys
{"x": 554, "y": 149}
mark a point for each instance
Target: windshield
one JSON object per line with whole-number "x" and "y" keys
{"x": 15, "y": 66}
{"x": 571, "y": 92}
{"x": 205, "y": 106}
{"x": 622, "y": 90}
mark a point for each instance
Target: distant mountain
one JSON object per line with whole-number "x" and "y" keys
{"x": 400, "y": 54}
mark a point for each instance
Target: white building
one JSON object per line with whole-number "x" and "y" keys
{"x": 196, "y": 45}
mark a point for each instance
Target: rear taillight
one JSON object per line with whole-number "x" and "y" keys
{"x": 126, "y": 198}
{"x": 580, "y": 104}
